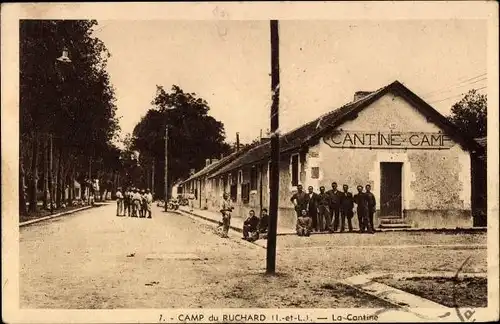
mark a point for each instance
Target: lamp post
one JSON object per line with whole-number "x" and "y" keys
{"x": 166, "y": 167}
{"x": 64, "y": 59}
{"x": 166, "y": 155}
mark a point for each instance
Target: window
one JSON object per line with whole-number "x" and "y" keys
{"x": 234, "y": 178}
{"x": 240, "y": 176}
{"x": 253, "y": 178}
{"x": 245, "y": 193}
{"x": 315, "y": 172}
{"x": 234, "y": 192}
{"x": 295, "y": 169}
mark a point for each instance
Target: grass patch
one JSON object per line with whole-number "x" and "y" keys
{"x": 447, "y": 291}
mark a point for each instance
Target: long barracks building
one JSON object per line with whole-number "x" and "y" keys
{"x": 417, "y": 162}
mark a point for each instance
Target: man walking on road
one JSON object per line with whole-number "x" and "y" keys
{"x": 226, "y": 209}
{"x": 119, "y": 203}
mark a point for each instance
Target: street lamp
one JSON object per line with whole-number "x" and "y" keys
{"x": 64, "y": 57}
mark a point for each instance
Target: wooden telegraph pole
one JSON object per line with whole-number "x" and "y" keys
{"x": 166, "y": 167}
{"x": 275, "y": 150}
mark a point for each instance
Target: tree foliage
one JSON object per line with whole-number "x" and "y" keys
{"x": 73, "y": 103}
{"x": 193, "y": 135}
{"x": 469, "y": 114}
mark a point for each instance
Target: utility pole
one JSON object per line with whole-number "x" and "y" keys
{"x": 275, "y": 150}
{"x": 166, "y": 167}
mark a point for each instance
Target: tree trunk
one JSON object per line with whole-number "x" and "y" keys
{"x": 45, "y": 174}
{"x": 22, "y": 192}
{"x": 34, "y": 176}
{"x": 51, "y": 174}
{"x": 59, "y": 180}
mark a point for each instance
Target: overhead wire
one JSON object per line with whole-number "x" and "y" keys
{"x": 458, "y": 95}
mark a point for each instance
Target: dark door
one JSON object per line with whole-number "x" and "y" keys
{"x": 390, "y": 189}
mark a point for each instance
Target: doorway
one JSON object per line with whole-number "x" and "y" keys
{"x": 391, "y": 189}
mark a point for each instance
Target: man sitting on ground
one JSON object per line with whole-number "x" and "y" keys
{"x": 304, "y": 223}
{"x": 263, "y": 224}
{"x": 250, "y": 227}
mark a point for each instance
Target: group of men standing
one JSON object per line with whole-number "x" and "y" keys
{"x": 324, "y": 211}
{"x": 134, "y": 202}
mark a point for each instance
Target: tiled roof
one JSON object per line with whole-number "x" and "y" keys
{"x": 219, "y": 164}
{"x": 298, "y": 136}
{"x": 311, "y": 131}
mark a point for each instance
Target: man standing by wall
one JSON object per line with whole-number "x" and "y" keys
{"x": 324, "y": 209}
{"x": 335, "y": 197}
{"x": 361, "y": 200}
{"x": 226, "y": 209}
{"x": 372, "y": 204}
{"x": 191, "y": 198}
{"x": 347, "y": 204}
{"x": 299, "y": 201}
{"x": 312, "y": 209}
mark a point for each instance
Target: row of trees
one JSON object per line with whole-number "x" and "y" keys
{"x": 67, "y": 111}
{"x": 193, "y": 137}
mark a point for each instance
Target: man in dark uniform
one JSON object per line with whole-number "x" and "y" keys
{"x": 362, "y": 210}
{"x": 250, "y": 227}
{"x": 347, "y": 204}
{"x": 335, "y": 198}
{"x": 127, "y": 202}
{"x": 312, "y": 209}
{"x": 263, "y": 224}
{"x": 300, "y": 200}
{"x": 324, "y": 210}
{"x": 372, "y": 203}
{"x": 304, "y": 224}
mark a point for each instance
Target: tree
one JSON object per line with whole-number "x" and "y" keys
{"x": 72, "y": 103}
{"x": 193, "y": 135}
{"x": 469, "y": 114}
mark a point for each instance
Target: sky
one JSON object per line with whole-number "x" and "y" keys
{"x": 322, "y": 64}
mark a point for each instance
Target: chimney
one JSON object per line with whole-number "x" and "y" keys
{"x": 207, "y": 162}
{"x": 221, "y": 156}
{"x": 214, "y": 161}
{"x": 237, "y": 142}
{"x": 191, "y": 172}
{"x": 358, "y": 95}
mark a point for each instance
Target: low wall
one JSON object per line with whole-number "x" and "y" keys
{"x": 438, "y": 218}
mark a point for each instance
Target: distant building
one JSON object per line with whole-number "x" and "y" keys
{"x": 417, "y": 162}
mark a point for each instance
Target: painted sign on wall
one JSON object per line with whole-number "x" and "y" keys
{"x": 404, "y": 140}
